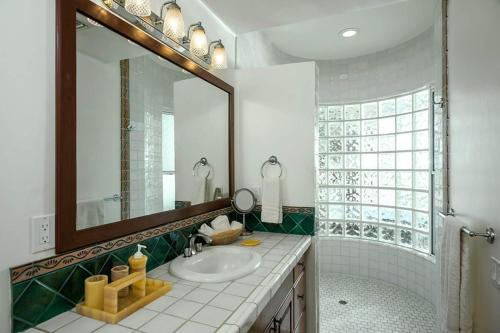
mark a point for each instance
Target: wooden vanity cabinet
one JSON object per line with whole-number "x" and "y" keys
{"x": 285, "y": 312}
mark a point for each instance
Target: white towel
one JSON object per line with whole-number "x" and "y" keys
{"x": 272, "y": 211}
{"x": 206, "y": 230}
{"x": 90, "y": 213}
{"x": 456, "y": 311}
{"x": 235, "y": 225}
{"x": 221, "y": 223}
{"x": 200, "y": 190}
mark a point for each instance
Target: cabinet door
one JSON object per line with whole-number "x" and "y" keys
{"x": 284, "y": 318}
{"x": 299, "y": 298}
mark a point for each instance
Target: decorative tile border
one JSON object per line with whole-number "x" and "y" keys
{"x": 37, "y": 268}
{"x": 291, "y": 209}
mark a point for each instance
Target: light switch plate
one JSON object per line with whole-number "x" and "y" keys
{"x": 42, "y": 233}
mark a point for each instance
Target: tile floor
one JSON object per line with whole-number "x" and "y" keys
{"x": 372, "y": 306}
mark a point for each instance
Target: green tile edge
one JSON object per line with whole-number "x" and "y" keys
{"x": 45, "y": 296}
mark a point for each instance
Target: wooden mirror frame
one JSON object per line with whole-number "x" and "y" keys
{"x": 67, "y": 236}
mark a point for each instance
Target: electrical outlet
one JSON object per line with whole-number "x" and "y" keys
{"x": 42, "y": 233}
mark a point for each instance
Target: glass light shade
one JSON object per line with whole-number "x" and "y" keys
{"x": 219, "y": 57}
{"x": 138, "y": 7}
{"x": 199, "y": 44}
{"x": 173, "y": 22}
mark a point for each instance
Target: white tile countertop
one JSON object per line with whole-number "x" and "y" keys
{"x": 190, "y": 307}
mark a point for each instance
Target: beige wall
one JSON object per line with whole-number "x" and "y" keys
{"x": 474, "y": 67}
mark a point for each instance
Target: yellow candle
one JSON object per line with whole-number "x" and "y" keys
{"x": 94, "y": 291}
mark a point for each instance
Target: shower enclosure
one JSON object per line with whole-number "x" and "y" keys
{"x": 380, "y": 182}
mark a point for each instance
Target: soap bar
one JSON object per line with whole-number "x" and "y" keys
{"x": 251, "y": 242}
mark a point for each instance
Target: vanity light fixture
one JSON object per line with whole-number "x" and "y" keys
{"x": 173, "y": 22}
{"x": 218, "y": 57}
{"x": 140, "y": 8}
{"x": 349, "y": 32}
{"x": 197, "y": 39}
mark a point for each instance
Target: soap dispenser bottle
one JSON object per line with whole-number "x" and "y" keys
{"x": 137, "y": 263}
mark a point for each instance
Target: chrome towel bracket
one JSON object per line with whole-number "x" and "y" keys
{"x": 272, "y": 160}
{"x": 202, "y": 162}
{"x": 489, "y": 234}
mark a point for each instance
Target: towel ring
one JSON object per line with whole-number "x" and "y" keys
{"x": 202, "y": 162}
{"x": 273, "y": 160}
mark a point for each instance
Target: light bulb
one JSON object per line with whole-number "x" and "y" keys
{"x": 219, "y": 57}
{"x": 140, "y": 8}
{"x": 173, "y": 22}
{"x": 199, "y": 44}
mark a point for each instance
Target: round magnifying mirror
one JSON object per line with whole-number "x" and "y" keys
{"x": 244, "y": 202}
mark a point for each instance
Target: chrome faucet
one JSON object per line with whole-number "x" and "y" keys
{"x": 193, "y": 249}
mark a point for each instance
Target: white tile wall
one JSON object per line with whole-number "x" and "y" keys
{"x": 384, "y": 262}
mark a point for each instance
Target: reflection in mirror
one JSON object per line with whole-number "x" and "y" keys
{"x": 143, "y": 125}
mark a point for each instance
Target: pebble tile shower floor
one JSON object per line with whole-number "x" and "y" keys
{"x": 372, "y": 307}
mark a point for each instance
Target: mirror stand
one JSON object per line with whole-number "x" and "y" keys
{"x": 244, "y": 202}
{"x": 245, "y": 232}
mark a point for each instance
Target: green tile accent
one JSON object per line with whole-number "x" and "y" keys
{"x": 43, "y": 297}
{"x": 297, "y": 223}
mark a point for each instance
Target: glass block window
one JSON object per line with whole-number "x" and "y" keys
{"x": 373, "y": 170}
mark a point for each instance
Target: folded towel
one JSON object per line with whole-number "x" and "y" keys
{"x": 206, "y": 230}
{"x": 456, "y": 311}
{"x": 200, "y": 190}
{"x": 236, "y": 225}
{"x": 272, "y": 211}
{"x": 90, "y": 213}
{"x": 221, "y": 223}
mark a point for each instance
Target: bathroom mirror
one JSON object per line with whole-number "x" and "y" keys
{"x": 144, "y": 134}
{"x": 244, "y": 202}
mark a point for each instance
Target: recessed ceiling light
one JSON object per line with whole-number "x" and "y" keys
{"x": 349, "y": 32}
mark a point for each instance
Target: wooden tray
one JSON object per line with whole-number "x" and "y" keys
{"x": 116, "y": 308}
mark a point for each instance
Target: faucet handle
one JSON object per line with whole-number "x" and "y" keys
{"x": 198, "y": 247}
{"x": 188, "y": 252}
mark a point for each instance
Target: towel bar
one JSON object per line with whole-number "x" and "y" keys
{"x": 451, "y": 212}
{"x": 273, "y": 160}
{"x": 115, "y": 197}
{"x": 489, "y": 234}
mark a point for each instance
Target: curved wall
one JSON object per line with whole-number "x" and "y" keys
{"x": 405, "y": 268}
{"x": 403, "y": 68}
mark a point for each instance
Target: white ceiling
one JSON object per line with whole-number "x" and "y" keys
{"x": 380, "y": 28}
{"x": 252, "y": 15}
{"x": 310, "y": 29}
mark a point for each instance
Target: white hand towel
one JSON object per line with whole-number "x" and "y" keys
{"x": 456, "y": 312}
{"x": 221, "y": 223}
{"x": 235, "y": 225}
{"x": 206, "y": 230}
{"x": 200, "y": 190}
{"x": 272, "y": 211}
{"x": 90, "y": 213}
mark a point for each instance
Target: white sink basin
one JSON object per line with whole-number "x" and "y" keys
{"x": 216, "y": 264}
